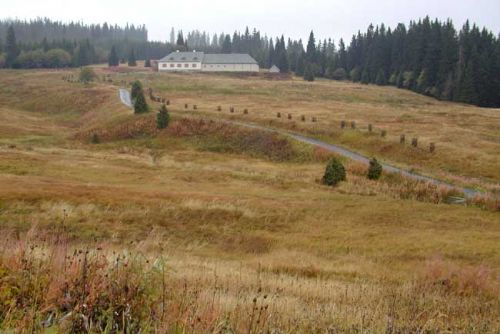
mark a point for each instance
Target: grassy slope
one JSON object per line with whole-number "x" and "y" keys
{"x": 232, "y": 207}
{"x": 467, "y": 137}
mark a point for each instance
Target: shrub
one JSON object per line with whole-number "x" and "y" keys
{"x": 402, "y": 139}
{"x": 231, "y": 109}
{"x": 140, "y": 105}
{"x": 86, "y": 75}
{"x": 186, "y": 106}
{"x": 309, "y": 73}
{"x": 289, "y": 116}
{"x": 303, "y": 118}
{"x": 334, "y": 173}
{"x": 414, "y": 142}
{"x": 195, "y": 107}
{"x": 245, "y": 111}
{"x": 95, "y": 139}
{"x": 374, "y": 170}
{"x": 278, "y": 115}
{"x": 339, "y": 74}
{"x": 219, "y": 108}
{"x": 136, "y": 90}
{"x": 370, "y": 128}
{"x": 162, "y": 118}
{"x": 383, "y": 134}
{"x": 353, "y": 125}
{"x": 342, "y": 124}
{"x": 432, "y": 147}
{"x": 314, "y": 120}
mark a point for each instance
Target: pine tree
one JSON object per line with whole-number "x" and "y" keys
{"x": 334, "y": 173}
{"x": 381, "y": 79}
{"x": 131, "y": 58}
{"x": 136, "y": 90}
{"x": 113, "y": 57}
{"x": 374, "y": 170}
{"x": 162, "y": 118}
{"x": 311, "y": 48}
{"x": 11, "y": 48}
{"x": 140, "y": 105}
{"x": 308, "y": 73}
{"x": 147, "y": 63}
{"x": 226, "y": 45}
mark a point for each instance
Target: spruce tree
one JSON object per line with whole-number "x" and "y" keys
{"x": 308, "y": 73}
{"x": 147, "y": 63}
{"x": 11, "y": 49}
{"x": 162, "y": 118}
{"x": 311, "y": 48}
{"x": 334, "y": 173}
{"x": 226, "y": 45}
{"x": 131, "y": 58}
{"x": 140, "y": 105}
{"x": 113, "y": 57}
{"x": 136, "y": 90}
{"x": 374, "y": 170}
{"x": 381, "y": 79}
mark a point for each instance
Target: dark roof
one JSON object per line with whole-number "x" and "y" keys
{"x": 228, "y": 58}
{"x": 184, "y": 56}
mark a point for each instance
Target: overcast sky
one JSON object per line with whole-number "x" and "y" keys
{"x": 293, "y": 18}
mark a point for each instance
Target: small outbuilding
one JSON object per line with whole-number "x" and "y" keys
{"x": 274, "y": 69}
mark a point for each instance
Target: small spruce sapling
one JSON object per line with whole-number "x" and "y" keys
{"x": 374, "y": 170}
{"x": 162, "y": 118}
{"x": 334, "y": 173}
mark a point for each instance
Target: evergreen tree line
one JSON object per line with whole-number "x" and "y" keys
{"x": 44, "y": 43}
{"x": 429, "y": 57}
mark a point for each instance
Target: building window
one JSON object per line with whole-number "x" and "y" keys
{"x": 194, "y": 65}
{"x": 172, "y": 65}
{"x": 186, "y": 65}
{"x": 163, "y": 65}
{"x": 179, "y": 65}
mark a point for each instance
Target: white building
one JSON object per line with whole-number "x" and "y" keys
{"x": 199, "y": 61}
{"x": 274, "y": 69}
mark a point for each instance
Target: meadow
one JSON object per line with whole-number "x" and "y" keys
{"x": 210, "y": 227}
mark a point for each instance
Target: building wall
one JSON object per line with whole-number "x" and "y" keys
{"x": 230, "y": 68}
{"x": 179, "y": 66}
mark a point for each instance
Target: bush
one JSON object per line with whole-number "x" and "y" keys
{"x": 86, "y": 75}
{"x": 162, "y": 118}
{"x": 374, "y": 170}
{"x": 95, "y": 139}
{"x": 136, "y": 90}
{"x": 140, "y": 105}
{"x": 402, "y": 139}
{"x": 334, "y": 173}
{"x": 309, "y": 73}
{"x": 2, "y": 60}
{"x": 339, "y": 74}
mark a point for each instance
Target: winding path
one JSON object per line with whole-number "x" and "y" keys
{"x": 469, "y": 192}
{"x": 125, "y": 97}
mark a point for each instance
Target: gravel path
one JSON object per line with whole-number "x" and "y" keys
{"x": 125, "y": 98}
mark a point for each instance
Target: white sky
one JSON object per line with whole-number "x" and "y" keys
{"x": 293, "y": 18}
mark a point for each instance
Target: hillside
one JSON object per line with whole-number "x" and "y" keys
{"x": 237, "y": 218}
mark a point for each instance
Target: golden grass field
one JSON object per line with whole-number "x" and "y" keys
{"x": 235, "y": 220}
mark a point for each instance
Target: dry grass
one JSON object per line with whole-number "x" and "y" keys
{"x": 234, "y": 222}
{"x": 466, "y": 137}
